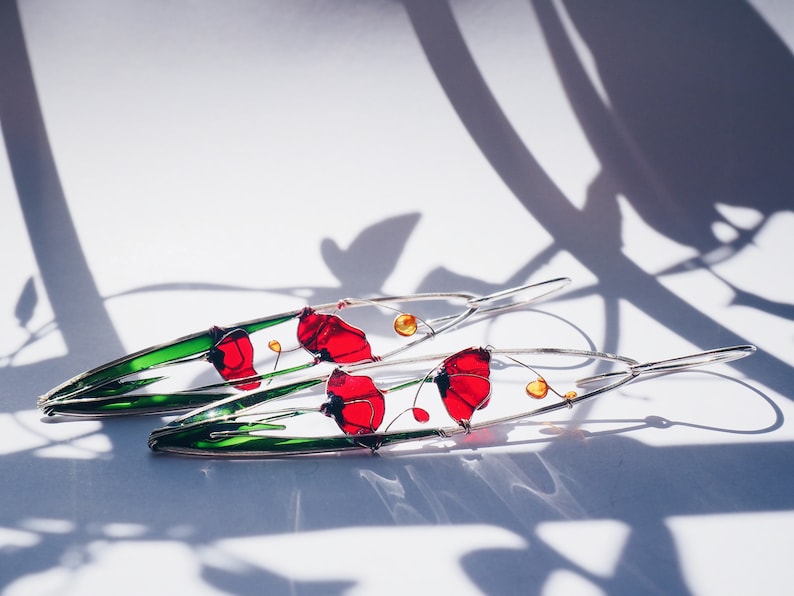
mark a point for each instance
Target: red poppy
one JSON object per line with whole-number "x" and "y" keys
{"x": 354, "y": 402}
{"x": 233, "y": 357}
{"x": 463, "y": 383}
{"x": 330, "y": 339}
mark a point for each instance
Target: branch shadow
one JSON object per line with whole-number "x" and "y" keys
{"x": 700, "y": 108}
{"x": 612, "y": 477}
{"x": 585, "y": 234}
{"x": 69, "y": 283}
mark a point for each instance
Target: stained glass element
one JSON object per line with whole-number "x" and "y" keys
{"x": 354, "y": 402}
{"x": 405, "y": 325}
{"x": 233, "y": 357}
{"x": 463, "y": 382}
{"x": 331, "y": 339}
{"x": 537, "y": 389}
{"x": 421, "y": 415}
{"x": 274, "y": 345}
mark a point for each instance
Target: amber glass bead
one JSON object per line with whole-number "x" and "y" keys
{"x": 405, "y": 324}
{"x": 537, "y": 389}
{"x": 274, "y": 345}
{"x": 570, "y": 395}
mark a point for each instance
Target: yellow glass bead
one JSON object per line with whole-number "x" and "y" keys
{"x": 274, "y": 345}
{"x": 405, "y": 325}
{"x": 570, "y": 395}
{"x": 537, "y": 389}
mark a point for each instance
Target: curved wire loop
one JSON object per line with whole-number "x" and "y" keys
{"x": 680, "y": 363}
{"x": 354, "y": 411}
{"x": 685, "y": 362}
{"x": 517, "y": 297}
{"x": 122, "y": 386}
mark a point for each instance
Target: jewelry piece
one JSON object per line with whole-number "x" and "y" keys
{"x": 117, "y": 387}
{"x": 354, "y": 411}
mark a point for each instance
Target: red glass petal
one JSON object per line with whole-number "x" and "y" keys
{"x": 233, "y": 357}
{"x": 421, "y": 415}
{"x": 463, "y": 382}
{"x": 354, "y": 401}
{"x": 329, "y": 338}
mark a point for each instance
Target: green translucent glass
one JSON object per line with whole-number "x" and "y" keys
{"x": 135, "y": 363}
{"x": 106, "y": 381}
{"x": 200, "y": 440}
{"x": 230, "y": 407}
{"x": 112, "y": 388}
{"x": 139, "y": 404}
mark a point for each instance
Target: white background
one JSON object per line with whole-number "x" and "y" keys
{"x": 222, "y": 161}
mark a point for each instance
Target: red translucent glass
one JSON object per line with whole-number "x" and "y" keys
{"x": 354, "y": 402}
{"x": 421, "y": 415}
{"x": 463, "y": 382}
{"x": 329, "y": 338}
{"x": 233, "y": 357}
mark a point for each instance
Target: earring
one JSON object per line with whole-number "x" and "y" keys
{"x": 139, "y": 383}
{"x": 354, "y": 410}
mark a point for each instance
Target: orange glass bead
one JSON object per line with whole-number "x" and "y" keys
{"x": 537, "y": 389}
{"x": 570, "y": 395}
{"x": 405, "y": 325}
{"x": 274, "y": 345}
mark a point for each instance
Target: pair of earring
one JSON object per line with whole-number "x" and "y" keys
{"x": 283, "y": 411}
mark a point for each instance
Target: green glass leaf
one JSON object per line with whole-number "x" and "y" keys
{"x": 92, "y": 383}
{"x": 121, "y": 387}
{"x": 235, "y": 404}
{"x": 132, "y": 404}
{"x": 231, "y": 438}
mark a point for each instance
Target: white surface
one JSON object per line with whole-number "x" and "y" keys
{"x": 214, "y": 156}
